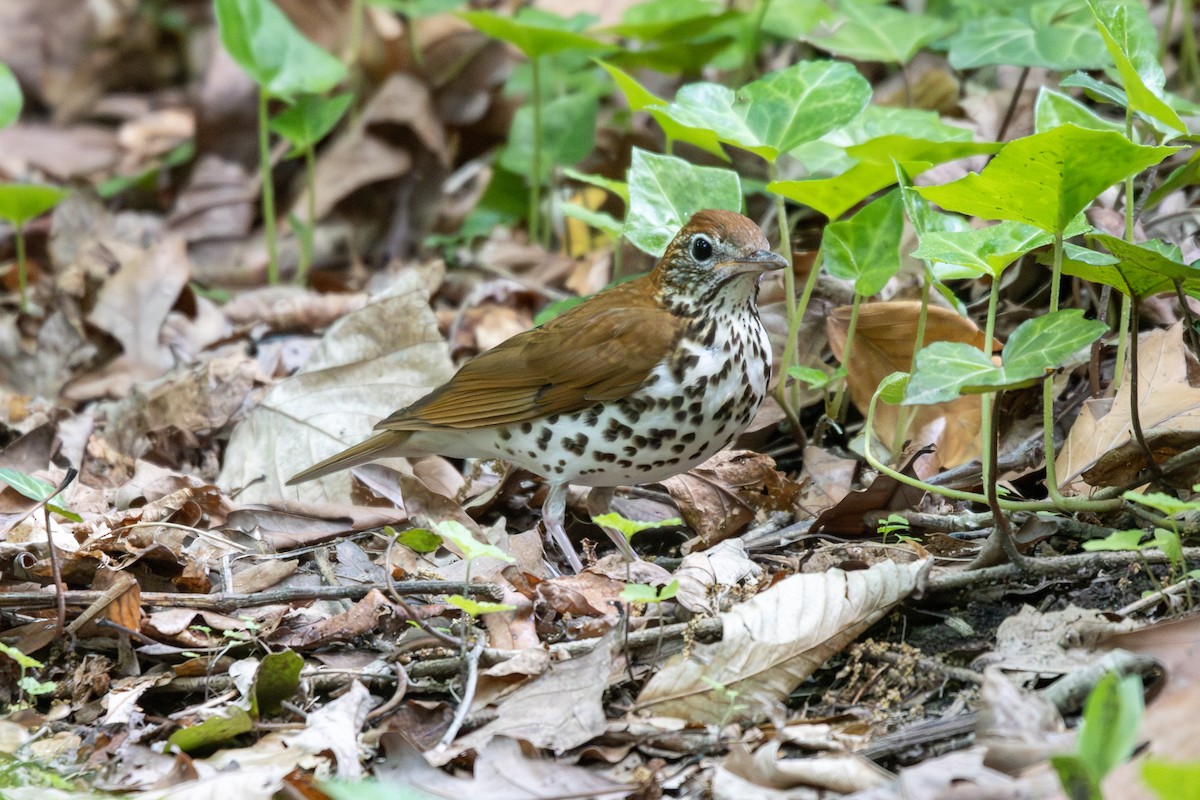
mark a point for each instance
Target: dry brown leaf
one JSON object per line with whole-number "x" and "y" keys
{"x": 370, "y": 363}
{"x": 285, "y": 308}
{"x": 775, "y": 640}
{"x": 525, "y": 714}
{"x": 838, "y": 772}
{"x": 724, "y": 494}
{"x": 708, "y": 579}
{"x": 883, "y": 344}
{"x": 1100, "y": 450}
{"x": 217, "y": 203}
{"x": 826, "y": 479}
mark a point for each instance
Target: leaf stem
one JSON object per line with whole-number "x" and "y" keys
{"x": 535, "y": 179}
{"x": 268, "y": 189}
{"x": 22, "y": 267}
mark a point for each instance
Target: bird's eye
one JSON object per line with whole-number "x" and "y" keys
{"x": 702, "y": 247}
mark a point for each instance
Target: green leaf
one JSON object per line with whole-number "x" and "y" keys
{"x": 1171, "y": 546}
{"x": 866, "y": 248}
{"x": 1130, "y": 540}
{"x": 629, "y": 527}
{"x": 265, "y": 43}
{"x": 619, "y": 188}
{"x": 21, "y": 202}
{"x": 11, "y": 99}
{"x": 213, "y": 731}
{"x": 664, "y": 193}
{"x": 23, "y": 661}
{"x": 1172, "y": 781}
{"x": 863, "y": 30}
{"x": 1131, "y": 41}
{"x": 1056, "y": 34}
{"x": 475, "y": 608}
{"x": 642, "y": 593}
{"x": 874, "y": 170}
{"x": 1140, "y": 270}
{"x": 457, "y": 534}
{"x": 419, "y": 540}
{"x": 1108, "y": 730}
{"x": 35, "y": 489}
{"x": 1166, "y": 504}
{"x": 568, "y": 134}
{"x": 1076, "y": 780}
{"x": 814, "y": 378}
{"x": 1054, "y": 108}
{"x": 641, "y": 99}
{"x": 534, "y": 32}
{"x": 1037, "y": 347}
{"x": 891, "y": 389}
{"x": 989, "y": 250}
{"x": 309, "y": 119}
{"x": 671, "y": 21}
{"x": 276, "y": 680}
{"x": 1048, "y": 178}
{"x": 778, "y": 111}
{"x": 35, "y": 688}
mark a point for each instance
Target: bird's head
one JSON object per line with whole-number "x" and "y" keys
{"x": 715, "y": 252}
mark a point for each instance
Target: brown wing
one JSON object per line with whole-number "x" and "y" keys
{"x": 599, "y": 350}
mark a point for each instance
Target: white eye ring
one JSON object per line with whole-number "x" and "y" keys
{"x": 701, "y": 248}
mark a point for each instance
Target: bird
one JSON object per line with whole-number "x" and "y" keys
{"x": 637, "y": 383}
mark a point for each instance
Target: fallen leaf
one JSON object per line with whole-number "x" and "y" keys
{"x": 883, "y": 344}
{"x": 1100, "y": 450}
{"x": 774, "y": 641}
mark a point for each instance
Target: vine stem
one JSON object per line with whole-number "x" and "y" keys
{"x": 268, "y": 189}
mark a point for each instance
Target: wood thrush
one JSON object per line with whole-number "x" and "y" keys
{"x": 637, "y": 383}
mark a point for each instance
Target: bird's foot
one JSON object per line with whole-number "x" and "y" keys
{"x": 599, "y": 501}
{"x": 554, "y": 512}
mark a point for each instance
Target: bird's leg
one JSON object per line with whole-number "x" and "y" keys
{"x": 599, "y": 501}
{"x": 554, "y": 512}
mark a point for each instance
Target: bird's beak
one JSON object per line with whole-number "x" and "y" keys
{"x": 756, "y": 263}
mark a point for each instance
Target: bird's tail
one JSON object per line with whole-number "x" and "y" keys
{"x": 383, "y": 445}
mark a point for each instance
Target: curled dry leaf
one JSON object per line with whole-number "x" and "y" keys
{"x": 883, "y": 344}
{"x": 1100, "y": 450}
{"x": 838, "y": 772}
{"x": 707, "y": 579}
{"x": 370, "y": 363}
{"x": 725, "y": 493}
{"x": 285, "y": 308}
{"x": 775, "y": 640}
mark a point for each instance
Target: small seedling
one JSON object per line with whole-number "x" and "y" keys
{"x": 20, "y": 203}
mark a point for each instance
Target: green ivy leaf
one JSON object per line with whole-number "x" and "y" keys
{"x": 309, "y": 119}
{"x": 778, "y": 111}
{"x": 11, "y": 99}
{"x": 1037, "y": 347}
{"x": 862, "y": 30}
{"x": 1055, "y": 34}
{"x": 664, "y": 193}
{"x": 1054, "y": 108}
{"x": 988, "y": 250}
{"x": 866, "y": 248}
{"x": 23, "y": 661}
{"x": 1133, "y": 44}
{"x": 265, "y": 43}
{"x": 642, "y": 99}
{"x": 1048, "y": 178}
{"x": 1138, "y": 270}
{"x": 875, "y": 169}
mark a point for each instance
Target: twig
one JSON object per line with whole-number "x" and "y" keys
{"x": 468, "y": 697}
{"x": 1050, "y": 566}
{"x": 1135, "y": 417}
{"x": 397, "y": 696}
{"x": 1012, "y": 105}
{"x": 423, "y": 624}
{"x": 229, "y": 601}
